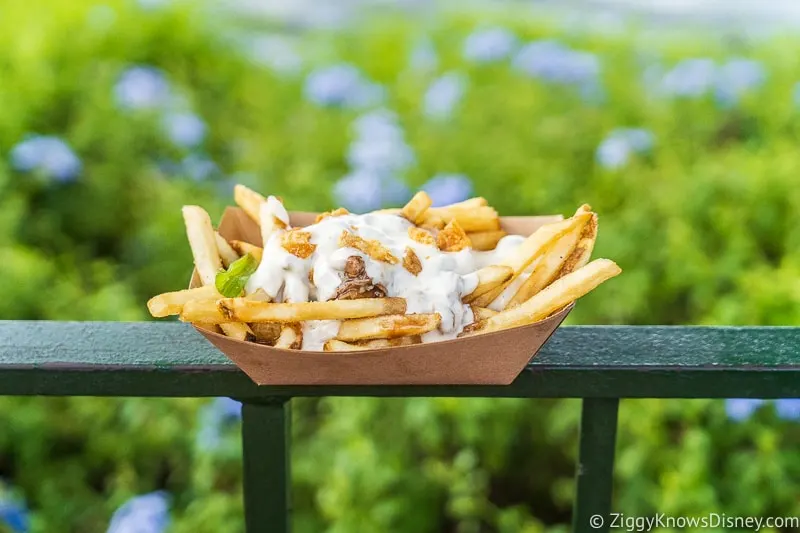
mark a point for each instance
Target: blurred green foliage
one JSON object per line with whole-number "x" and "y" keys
{"x": 705, "y": 229}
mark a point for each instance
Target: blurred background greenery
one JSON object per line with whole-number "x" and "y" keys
{"x": 115, "y": 113}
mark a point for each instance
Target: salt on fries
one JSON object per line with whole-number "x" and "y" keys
{"x": 352, "y": 300}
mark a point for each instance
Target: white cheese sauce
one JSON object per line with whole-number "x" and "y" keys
{"x": 445, "y": 277}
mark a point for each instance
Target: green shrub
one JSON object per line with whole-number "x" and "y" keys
{"x": 703, "y": 227}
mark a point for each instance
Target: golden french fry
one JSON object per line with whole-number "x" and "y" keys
{"x": 244, "y": 310}
{"x": 481, "y": 313}
{"x": 415, "y": 209}
{"x": 486, "y": 240}
{"x": 555, "y": 296}
{"x": 452, "y": 238}
{"x": 266, "y": 332}
{"x": 583, "y": 251}
{"x": 335, "y": 345}
{"x": 488, "y": 278}
{"x": 388, "y": 327}
{"x": 249, "y": 200}
{"x": 260, "y": 295}
{"x": 477, "y": 201}
{"x": 291, "y": 337}
{"x": 549, "y": 266}
{"x": 171, "y": 303}
{"x": 371, "y": 247}
{"x": 239, "y": 331}
{"x": 203, "y": 243}
{"x": 530, "y": 250}
{"x": 244, "y": 248}
{"x": 226, "y": 252}
{"x": 203, "y": 312}
{"x": 471, "y": 218}
{"x": 433, "y": 221}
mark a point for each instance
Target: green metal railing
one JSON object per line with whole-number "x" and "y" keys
{"x": 599, "y": 364}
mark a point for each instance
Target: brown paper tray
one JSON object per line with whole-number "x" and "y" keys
{"x": 490, "y": 359}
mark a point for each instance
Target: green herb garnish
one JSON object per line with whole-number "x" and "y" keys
{"x": 230, "y": 283}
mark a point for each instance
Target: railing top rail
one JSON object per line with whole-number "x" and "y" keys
{"x": 171, "y": 359}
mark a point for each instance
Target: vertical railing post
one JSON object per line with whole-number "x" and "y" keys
{"x": 594, "y": 473}
{"x": 266, "y": 441}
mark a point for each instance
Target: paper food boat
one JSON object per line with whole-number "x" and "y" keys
{"x": 489, "y": 359}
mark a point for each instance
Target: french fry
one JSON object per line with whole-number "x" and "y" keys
{"x": 203, "y": 243}
{"x": 551, "y": 263}
{"x": 488, "y": 278}
{"x": 388, "y": 327}
{"x": 226, "y": 252}
{"x": 260, "y": 295}
{"x": 244, "y": 310}
{"x": 335, "y": 345}
{"x": 486, "y": 240}
{"x": 291, "y": 337}
{"x": 530, "y": 250}
{"x": 266, "y": 332}
{"x": 473, "y": 218}
{"x": 249, "y": 200}
{"x": 433, "y": 221}
{"x": 477, "y": 201}
{"x": 555, "y": 296}
{"x": 583, "y": 251}
{"x": 371, "y": 247}
{"x": 238, "y": 331}
{"x": 243, "y": 248}
{"x": 415, "y": 209}
{"x": 203, "y": 312}
{"x": 481, "y": 313}
{"x": 171, "y": 303}
{"x": 452, "y": 238}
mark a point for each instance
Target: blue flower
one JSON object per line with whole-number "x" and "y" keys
{"x": 213, "y": 418}
{"x": 788, "y": 408}
{"x": 276, "y": 53}
{"x": 142, "y": 88}
{"x": 185, "y": 129}
{"x": 737, "y": 77}
{"x": 690, "y": 78}
{"x": 380, "y": 155}
{"x": 489, "y": 45}
{"x": 423, "y": 57}
{"x": 13, "y": 514}
{"x": 362, "y": 191}
{"x": 443, "y": 95}
{"x": 380, "y": 124}
{"x": 199, "y": 167}
{"x": 148, "y": 513}
{"x": 740, "y": 409}
{"x": 446, "y": 189}
{"x": 342, "y": 85}
{"x": 46, "y": 154}
{"x": 616, "y": 149}
{"x": 553, "y": 62}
